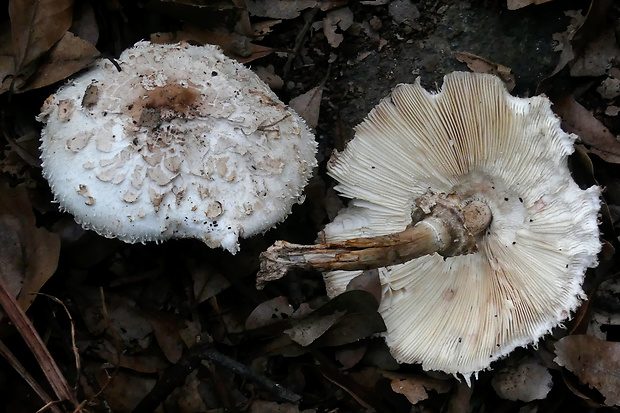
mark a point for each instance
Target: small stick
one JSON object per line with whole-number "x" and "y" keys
{"x": 176, "y": 375}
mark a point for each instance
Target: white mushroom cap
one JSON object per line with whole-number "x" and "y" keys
{"x": 472, "y": 139}
{"x": 183, "y": 142}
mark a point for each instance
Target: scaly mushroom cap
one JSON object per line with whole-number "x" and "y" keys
{"x": 183, "y": 142}
{"x": 473, "y": 139}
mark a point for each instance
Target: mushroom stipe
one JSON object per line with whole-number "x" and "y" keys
{"x": 480, "y": 287}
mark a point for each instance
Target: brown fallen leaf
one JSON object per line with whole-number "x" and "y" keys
{"x": 166, "y": 329}
{"x": 517, "y": 4}
{"x": 29, "y": 254}
{"x": 70, "y": 55}
{"x": 308, "y": 329}
{"x": 337, "y": 21}
{"x": 208, "y": 282}
{"x": 579, "y": 120}
{"x": 308, "y": 105}
{"x": 269, "y": 312}
{"x": 350, "y": 354}
{"x": 479, "y": 64}
{"x": 528, "y": 380}
{"x": 264, "y": 406}
{"x": 279, "y": 9}
{"x": 595, "y": 362}
{"x": 125, "y": 389}
{"x": 598, "y": 56}
{"x": 414, "y": 387}
{"x": 234, "y": 45}
{"x": 36, "y": 25}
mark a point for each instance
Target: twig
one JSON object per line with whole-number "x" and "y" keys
{"x": 299, "y": 41}
{"x": 176, "y": 375}
{"x": 29, "y": 334}
{"x": 74, "y": 347}
{"x": 14, "y": 362}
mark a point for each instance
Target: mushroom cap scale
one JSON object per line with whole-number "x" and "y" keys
{"x": 474, "y": 140}
{"x": 182, "y": 142}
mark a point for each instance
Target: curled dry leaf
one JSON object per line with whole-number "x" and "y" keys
{"x": 307, "y": 330}
{"x": 579, "y": 120}
{"x": 528, "y": 380}
{"x": 345, "y": 319}
{"x": 37, "y": 25}
{"x": 269, "y": 312}
{"x": 517, "y": 4}
{"x": 414, "y": 388}
{"x": 308, "y": 105}
{"x": 70, "y": 55}
{"x": 29, "y": 255}
{"x": 479, "y": 64}
{"x": 339, "y": 19}
{"x": 595, "y": 362}
{"x": 208, "y": 282}
{"x": 233, "y": 45}
{"x": 264, "y": 406}
{"x": 166, "y": 329}
{"x": 279, "y": 9}
{"x": 598, "y": 56}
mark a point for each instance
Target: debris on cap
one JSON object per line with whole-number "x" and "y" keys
{"x": 482, "y": 285}
{"x": 178, "y": 141}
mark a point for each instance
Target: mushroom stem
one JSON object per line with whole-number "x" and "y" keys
{"x": 441, "y": 224}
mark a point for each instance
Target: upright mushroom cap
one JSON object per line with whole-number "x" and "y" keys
{"x": 475, "y": 141}
{"x": 181, "y": 142}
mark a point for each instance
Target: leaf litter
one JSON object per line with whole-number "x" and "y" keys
{"x": 182, "y": 325}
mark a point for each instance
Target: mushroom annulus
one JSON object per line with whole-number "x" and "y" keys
{"x": 174, "y": 141}
{"x": 464, "y": 201}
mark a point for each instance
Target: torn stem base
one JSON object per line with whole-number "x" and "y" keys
{"x": 446, "y": 228}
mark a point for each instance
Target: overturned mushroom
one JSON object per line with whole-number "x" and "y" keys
{"x": 178, "y": 141}
{"x": 475, "y": 183}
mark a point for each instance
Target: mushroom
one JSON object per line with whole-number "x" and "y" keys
{"x": 475, "y": 183}
{"x": 174, "y": 141}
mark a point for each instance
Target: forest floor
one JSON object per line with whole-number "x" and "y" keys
{"x": 179, "y": 327}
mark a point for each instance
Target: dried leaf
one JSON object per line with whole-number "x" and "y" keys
{"x": 308, "y": 105}
{"x": 517, "y": 4}
{"x": 125, "y": 389}
{"x": 351, "y": 354}
{"x": 403, "y": 11}
{"x": 598, "y": 56}
{"x": 7, "y": 66}
{"x": 481, "y": 65}
{"x": 367, "y": 281}
{"x": 339, "y": 19}
{"x": 269, "y": 312}
{"x": 84, "y": 23}
{"x": 29, "y": 255}
{"x": 413, "y": 390}
{"x": 70, "y": 55}
{"x": 166, "y": 328}
{"x": 461, "y": 400}
{"x": 308, "y": 329}
{"x": 263, "y": 406}
{"x": 352, "y": 328}
{"x": 527, "y": 381}
{"x": 37, "y": 25}
{"x": 414, "y": 387}
{"x": 208, "y": 282}
{"x": 579, "y": 120}
{"x": 279, "y": 9}
{"x": 233, "y": 45}
{"x": 269, "y": 76}
{"x": 595, "y": 362}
